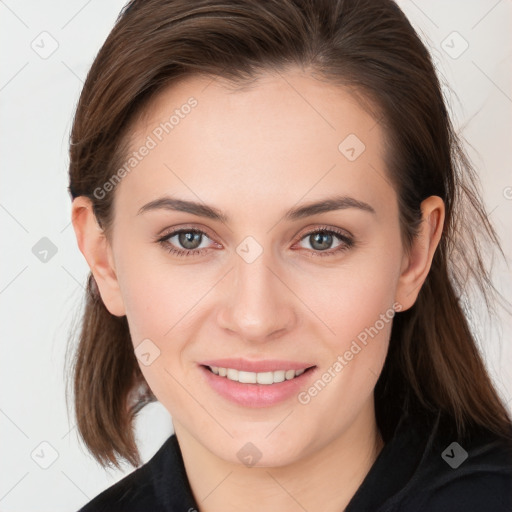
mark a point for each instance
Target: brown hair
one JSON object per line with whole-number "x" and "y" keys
{"x": 369, "y": 47}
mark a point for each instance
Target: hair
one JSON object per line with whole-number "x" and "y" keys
{"x": 433, "y": 363}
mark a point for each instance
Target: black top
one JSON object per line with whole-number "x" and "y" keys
{"x": 414, "y": 472}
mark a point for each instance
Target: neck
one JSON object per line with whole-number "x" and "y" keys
{"x": 325, "y": 480}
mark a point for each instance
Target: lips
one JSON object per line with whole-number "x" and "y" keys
{"x": 256, "y": 394}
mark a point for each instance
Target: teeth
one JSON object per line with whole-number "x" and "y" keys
{"x": 279, "y": 376}
{"x": 247, "y": 377}
{"x": 256, "y": 378}
{"x": 232, "y": 374}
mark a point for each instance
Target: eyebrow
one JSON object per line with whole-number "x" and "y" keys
{"x": 202, "y": 210}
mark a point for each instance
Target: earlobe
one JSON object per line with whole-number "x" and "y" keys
{"x": 94, "y": 245}
{"x": 418, "y": 260}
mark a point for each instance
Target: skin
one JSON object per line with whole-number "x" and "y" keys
{"x": 255, "y": 154}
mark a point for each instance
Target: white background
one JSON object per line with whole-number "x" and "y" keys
{"x": 40, "y": 301}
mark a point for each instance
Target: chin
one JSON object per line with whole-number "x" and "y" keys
{"x": 257, "y": 448}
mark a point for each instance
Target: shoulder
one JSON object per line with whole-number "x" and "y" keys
{"x": 468, "y": 476}
{"x": 138, "y": 491}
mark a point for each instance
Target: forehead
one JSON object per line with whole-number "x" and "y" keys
{"x": 272, "y": 101}
{"x": 279, "y": 138}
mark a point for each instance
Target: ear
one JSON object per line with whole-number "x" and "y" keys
{"x": 97, "y": 251}
{"x": 418, "y": 260}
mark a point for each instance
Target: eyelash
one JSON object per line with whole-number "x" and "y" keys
{"x": 346, "y": 242}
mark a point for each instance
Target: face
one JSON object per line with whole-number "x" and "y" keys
{"x": 250, "y": 279}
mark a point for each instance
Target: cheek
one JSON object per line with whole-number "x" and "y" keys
{"x": 165, "y": 309}
{"x": 159, "y": 307}
{"x": 362, "y": 303}
{"x": 160, "y": 296}
{"x": 357, "y": 307}
{"x": 362, "y": 320}
{"x": 353, "y": 297}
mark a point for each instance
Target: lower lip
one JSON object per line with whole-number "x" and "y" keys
{"x": 256, "y": 395}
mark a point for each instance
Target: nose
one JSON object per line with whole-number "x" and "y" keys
{"x": 259, "y": 305}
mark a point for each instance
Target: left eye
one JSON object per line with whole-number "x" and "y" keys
{"x": 322, "y": 240}
{"x": 191, "y": 240}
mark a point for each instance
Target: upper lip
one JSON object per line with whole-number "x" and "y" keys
{"x": 267, "y": 365}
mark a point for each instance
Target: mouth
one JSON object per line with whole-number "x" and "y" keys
{"x": 256, "y": 384}
{"x": 265, "y": 378}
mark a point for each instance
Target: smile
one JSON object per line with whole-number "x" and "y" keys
{"x": 269, "y": 383}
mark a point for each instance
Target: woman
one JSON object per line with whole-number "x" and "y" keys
{"x": 279, "y": 221}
